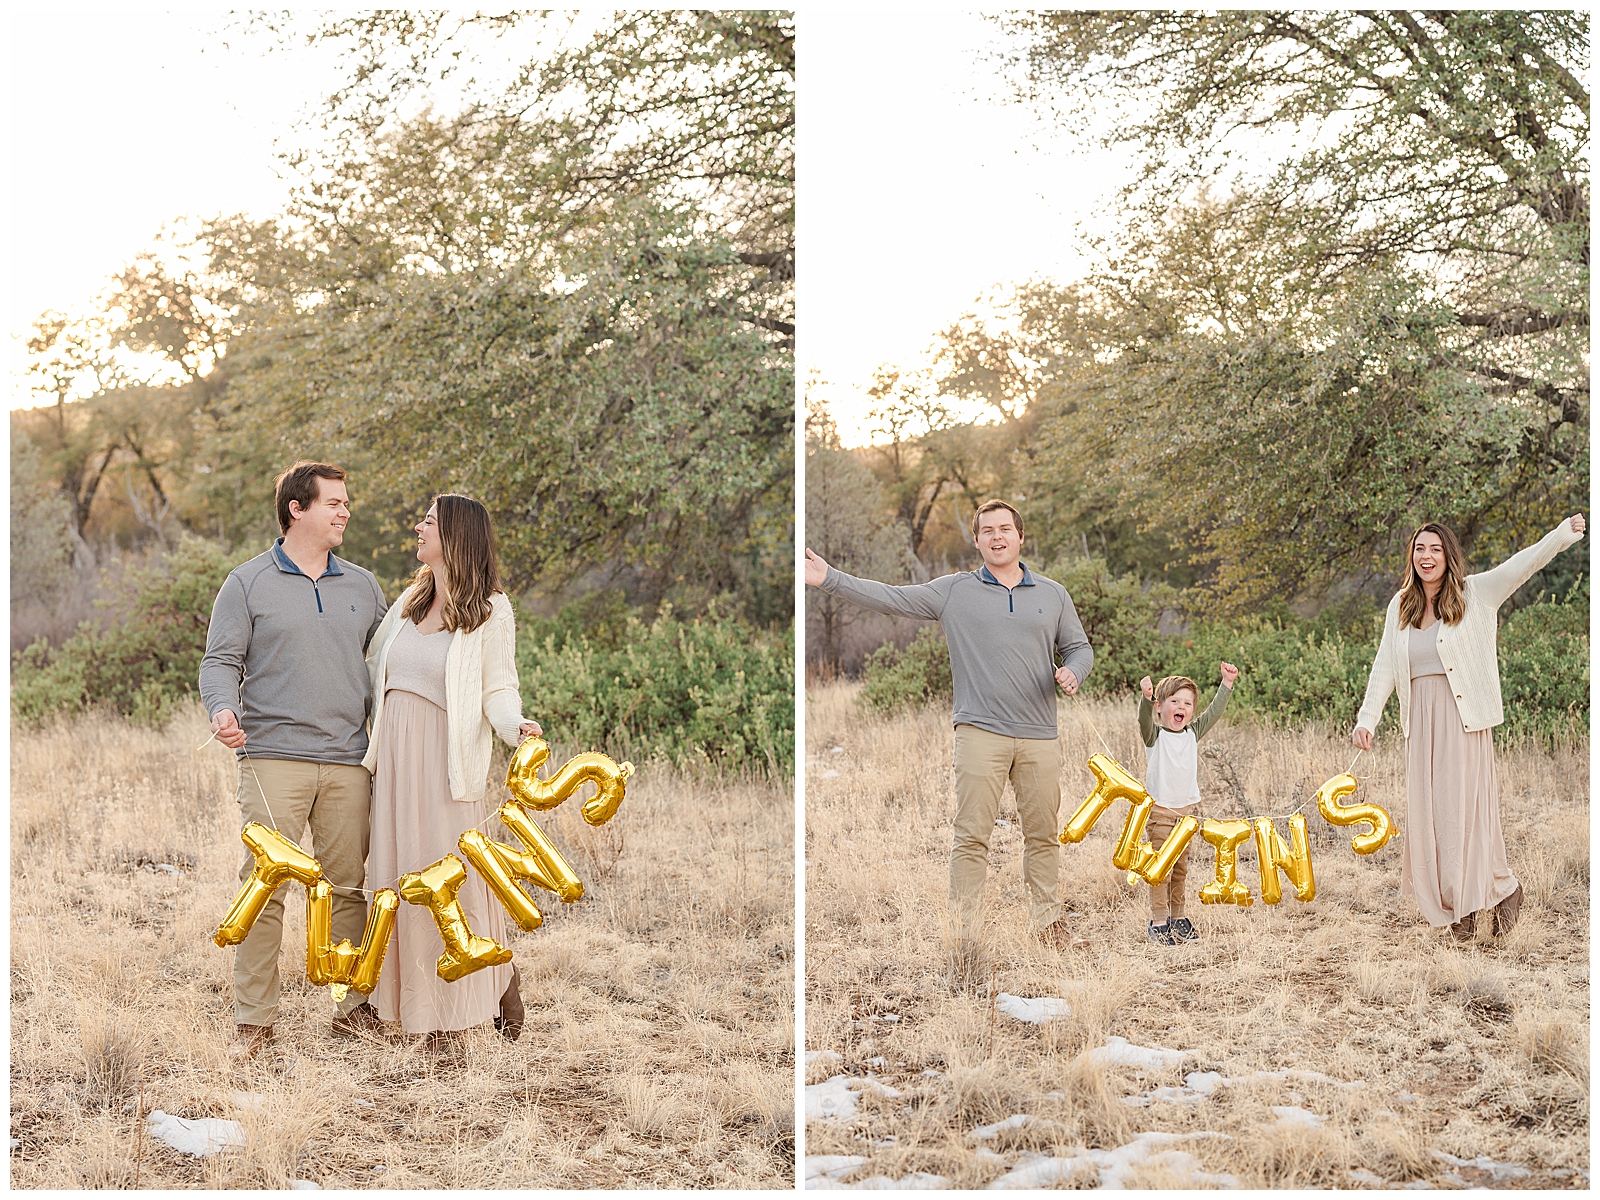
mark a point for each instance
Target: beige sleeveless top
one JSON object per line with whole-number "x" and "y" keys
{"x": 416, "y": 663}
{"x": 1422, "y": 646}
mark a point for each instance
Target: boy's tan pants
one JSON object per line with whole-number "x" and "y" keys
{"x": 1166, "y": 897}
{"x": 983, "y": 762}
{"x": 336, "y": 800}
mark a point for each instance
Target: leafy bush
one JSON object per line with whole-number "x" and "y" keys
{"x": 892, "y": 677}
{"x": 713, "y": 689}
{"x": 142, "y": 666}
{"x": 1292, "y": 670}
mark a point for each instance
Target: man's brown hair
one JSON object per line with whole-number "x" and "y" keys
{"x": 299, "y": 484}
{"x": 1172, "y": 685}
{"x": 990, "y": 506}
{"x": 471, "y": 568}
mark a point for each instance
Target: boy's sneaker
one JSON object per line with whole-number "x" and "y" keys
{"x": 1160, "y": 934}
{"x": 1181, "y": 930}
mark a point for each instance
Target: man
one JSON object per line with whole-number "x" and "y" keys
{"x": 285, "y": 680}
{"x": 1004, "y": 626}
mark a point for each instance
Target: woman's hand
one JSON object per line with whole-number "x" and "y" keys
{"x": 1362, "y": 738}
{"x": 1576, "y": 521}
{"x": 529, "y": 729}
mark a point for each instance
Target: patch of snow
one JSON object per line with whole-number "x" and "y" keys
{"x": 1292, "y": 1116}
{"x": 1038, "y": 1170}
{"x": 1033, "y": 1011}
{"x": 16, "y": 1143}
{"x": 1418, "y": 1185}
{"x": 364, "y": 1103}
{"x": 1495, "y": 1171}
{"x": 837, "y": 750}
{"x": 838, "y": 1098}
{"x": 199, "y": 1137}
{"x": 999, "y": 824}
{"x": 1015, "y": 1122}
{"x": 916, "y": 1181}
{"x": 831, "y": 1166}
{"x": 930, "y": 1073}
{"x": 1361, "y": 1176}
{"x": 823, "y": 1056}
{"x": 1119, "y": 1052}
{"x": 304, "y": 1185}
{"x": 1409, "y": 1097}
{"x": 878, "y": 1063}
{"x": 830, "y": 774}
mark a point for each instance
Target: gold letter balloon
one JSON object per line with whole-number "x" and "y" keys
{"x": 545, "y": 794}
{"x": 435, "y": 889}
{"x": 277, "y": 860}
{"x": 1227, "y": 837}
{"x": 1294, "y": 860}
{"x": 1328, "y": 797}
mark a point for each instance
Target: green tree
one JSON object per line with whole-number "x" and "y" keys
{"x": 1282, "y": 371}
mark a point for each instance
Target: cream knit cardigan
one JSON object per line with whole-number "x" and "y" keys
{"x": 1467, "y": 650}
{"x": 481, "y": 694}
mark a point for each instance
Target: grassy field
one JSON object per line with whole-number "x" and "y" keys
{"x": 1388, "y": 1045}
{"x": 658, "y": 1050}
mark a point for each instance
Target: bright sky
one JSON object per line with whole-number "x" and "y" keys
{"x": 122, "y": 120}
{"x": 921, "y": 188}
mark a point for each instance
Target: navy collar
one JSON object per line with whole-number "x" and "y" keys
{"x": 987, "y": 577}
{"x": 286, "y": 564}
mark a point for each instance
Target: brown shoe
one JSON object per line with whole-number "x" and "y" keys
{"x": 360, "y": 1021}
{"x": 1059, "y": 934}
{"x": 1465, "y": 929}
{"x": 509, "y": 1022}
{"x": 1507, "y": 912}
{"x": 248, "y": 1041}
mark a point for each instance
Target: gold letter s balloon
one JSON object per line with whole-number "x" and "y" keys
{"x": 1328, "y": 797}
{"x": 278, "y": 860}
{"x": 435, "y": 889}
{"x": 543, "y": 794}
{"x": 1294, "y": 860}
{"x": 1226, "y": 836}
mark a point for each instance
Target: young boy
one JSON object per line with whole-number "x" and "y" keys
{"x": 1172, "y": 736}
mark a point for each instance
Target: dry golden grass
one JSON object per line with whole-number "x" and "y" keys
{"x": 1479, "y": 1050}
{"x": 658, "y": 1050}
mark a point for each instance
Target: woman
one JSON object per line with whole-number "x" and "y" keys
{"x": 444, "y": 681}
{"x": 1438, "y": 651}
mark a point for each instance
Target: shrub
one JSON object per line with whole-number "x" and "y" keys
{"x": 893, "y": 677}
{"x": 142, "y": 666}
{"x": 712, "y": 690}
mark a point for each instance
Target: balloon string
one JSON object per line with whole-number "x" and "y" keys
{"x": 1084, "y": 712}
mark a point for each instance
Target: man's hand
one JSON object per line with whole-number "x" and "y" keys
{"x": 816, "y": 569}
{"x": 1229, "y": 674}
{"x": 529, "y": 729}
{"x": 1148, "y": 688}
{"x": 1067, "y": 680}
{"x": 226, "y": 726}
{"x": 1362, "y": 738}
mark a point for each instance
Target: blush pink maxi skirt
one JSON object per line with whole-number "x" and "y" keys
{"x": 1453, "y": 861}
{"x": 415, "y": 823}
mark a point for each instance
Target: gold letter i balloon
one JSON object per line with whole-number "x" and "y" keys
{"x": 278, "y": 860}
{"x": 1227, "y": 837}
{"x": 435, "y": 889}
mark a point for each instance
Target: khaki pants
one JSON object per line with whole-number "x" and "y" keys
{"x": 1166, "y": 897}
{"x": 984, "y": 761}
{"x": 336, "y": 800}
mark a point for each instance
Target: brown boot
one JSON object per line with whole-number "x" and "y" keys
{"x": 1059, "y": 935}
{"x": 1465, "y": 929}
{"x": 248, "y": 1041}
{"x": 1507, "y": 912}
{"x": 360, "y": 1021}
{"x": 509, "y": 1022}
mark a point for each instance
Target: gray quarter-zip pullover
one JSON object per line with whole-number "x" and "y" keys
{"x": 1003, "y": 641}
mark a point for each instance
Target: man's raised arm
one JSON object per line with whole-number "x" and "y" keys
{"x": 925, "y": 601}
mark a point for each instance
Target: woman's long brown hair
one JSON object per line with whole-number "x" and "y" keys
{"x": 1451, "y": 602}
{"x": 471, "y": 568}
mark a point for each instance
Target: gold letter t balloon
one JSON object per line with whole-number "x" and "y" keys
{"x": 435, "y": 887}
